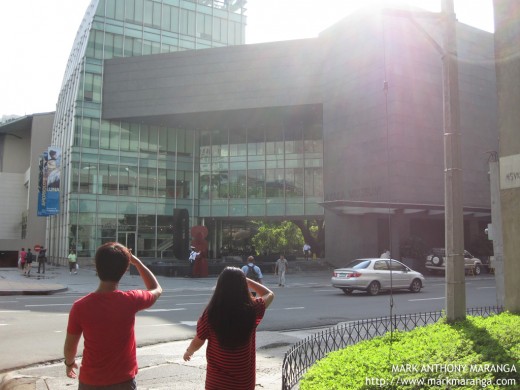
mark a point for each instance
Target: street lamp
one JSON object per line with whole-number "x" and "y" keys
{"x": 454, "y": 220}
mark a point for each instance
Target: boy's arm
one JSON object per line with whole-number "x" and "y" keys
{"x": 149, "y": 279}
{"x": 69, "y": 351}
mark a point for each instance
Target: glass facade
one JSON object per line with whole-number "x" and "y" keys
{"x": 122, "y": 181}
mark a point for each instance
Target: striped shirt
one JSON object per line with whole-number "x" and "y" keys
{"x": 230, "y": 369}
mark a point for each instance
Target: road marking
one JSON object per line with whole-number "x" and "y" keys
{"x": 183, "y": 296}
{"x": 294, "y": 308}
{"x": 482, "y": 288}
{"x": 425, "y": 299}
{"x": 193, "y": 303}
{"x": 50, "y": 304}
{"x": 8, "y": 301}
{"x": 158, "y": 325}
{"x": 15, "y": 311}
{"x": 157, "y": 310}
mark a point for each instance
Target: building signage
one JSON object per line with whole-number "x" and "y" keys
{"x": 49, "y": 182}
{"x": 510, "y": 172}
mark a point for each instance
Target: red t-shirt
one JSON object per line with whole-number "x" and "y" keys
{"x": 230, "y": 369}
{"x": 107, "y": 323}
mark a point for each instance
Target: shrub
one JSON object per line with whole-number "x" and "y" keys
{"x": 470, "y": 354}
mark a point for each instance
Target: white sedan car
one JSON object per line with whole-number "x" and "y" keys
{"x": 374, "y": 275}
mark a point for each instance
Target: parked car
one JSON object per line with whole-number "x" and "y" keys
{"x": 436, "y": 261}
{"x": 374, "y": 274}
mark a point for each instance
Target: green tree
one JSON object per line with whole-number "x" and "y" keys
{"x": 277, "y": 237}
{"x": 313, "y": 232}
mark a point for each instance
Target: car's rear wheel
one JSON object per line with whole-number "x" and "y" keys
{"x": 415, "y": 286}
{"x": 477, "y": 270}
{"x": 347, "y": 291}
{"x": 374, "y": 288}
{"x": 437, "y": 261}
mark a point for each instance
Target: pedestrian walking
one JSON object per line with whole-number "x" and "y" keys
{"x": 385, "y": 254}
{"x": 106, "y": 319}
{"x": 22, "y": 257}
{"x": 229, "y": 324}
{"x": 192, "y": 259}
{"x": 280, "y": 268}
{"x": 28, "y": 262}
{"x": 42, "y": 259}
{"x": 253, "y": 271}
{"x": 73, "y": 262}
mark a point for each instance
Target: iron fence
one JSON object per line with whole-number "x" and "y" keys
{"x": 305, "y": 353}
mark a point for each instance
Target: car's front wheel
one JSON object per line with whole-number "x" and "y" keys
{"x": 477, "y": 270}
{"x": 373, "y": 288}
{"x": 415, "y": 286}
{"x": 347, "y": 291}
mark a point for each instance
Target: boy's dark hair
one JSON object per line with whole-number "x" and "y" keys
{"x": 112, "y": 260}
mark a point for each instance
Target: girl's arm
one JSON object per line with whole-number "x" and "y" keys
{"x": 261, "y": 291}
{"x": 194, "y": 346}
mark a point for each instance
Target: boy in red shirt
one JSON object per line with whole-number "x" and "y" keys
{"x": 106, "y": 319}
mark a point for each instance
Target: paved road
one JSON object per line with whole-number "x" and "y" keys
{"x": 33, "y": 326}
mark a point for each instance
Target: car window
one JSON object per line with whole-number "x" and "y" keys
{"x": 381, "y": 264}
{"x": 396, "y": 266}
{"x": 358, "y": 264}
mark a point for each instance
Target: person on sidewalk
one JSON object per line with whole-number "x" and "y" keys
{"x": 306, "y": 251}
{"x": 106, "y": 319}
{"x": 28, "y": 262}
{"x": 385, "y": 254}
{"x": 280, "y": 268}
{"x": 23, "y": 255}
{"x": 229, "y": 324}
{"x": 42, "y": 259}
{"x": 73, "y": 261}
{"x": 192, "y": 259}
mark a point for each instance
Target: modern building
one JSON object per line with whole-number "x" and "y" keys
{"x": 163, "y": 108}
{"x": 122, "y": 180}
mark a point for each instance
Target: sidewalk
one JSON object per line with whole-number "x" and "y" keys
{"x": 160, "y": 366}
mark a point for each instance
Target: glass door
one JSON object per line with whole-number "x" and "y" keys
{"x": 128, "y": 240}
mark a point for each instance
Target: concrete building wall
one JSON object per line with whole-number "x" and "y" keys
{"x": 19, "y": 181}
{"x": 230, "y": 78}
{"x": 40, "y": 140}
{"x": 14, "y": 194}
{"x": 16, "y": 151}
{"x": 384, "y": 142}
{"x": 507, "y": 52}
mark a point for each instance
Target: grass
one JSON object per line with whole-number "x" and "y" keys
{"x": 472, "y": 354}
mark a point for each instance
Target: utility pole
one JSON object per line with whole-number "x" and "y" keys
{"x": 454, "y": 226}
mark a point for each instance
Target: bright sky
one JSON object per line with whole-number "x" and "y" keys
{"x": 37, "y": 36}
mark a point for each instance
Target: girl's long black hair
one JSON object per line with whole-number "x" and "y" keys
{"x": 231, "y": 311}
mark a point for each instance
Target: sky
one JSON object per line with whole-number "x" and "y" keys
{"x": 36, "y": 37}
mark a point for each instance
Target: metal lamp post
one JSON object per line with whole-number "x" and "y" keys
{"x": 454, "y": 221}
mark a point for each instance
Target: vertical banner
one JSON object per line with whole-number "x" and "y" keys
{"x": 49, "y": 188}
{"x": 42, "y": 188}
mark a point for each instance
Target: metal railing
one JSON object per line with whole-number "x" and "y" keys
{"x": 305, "y": 353}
